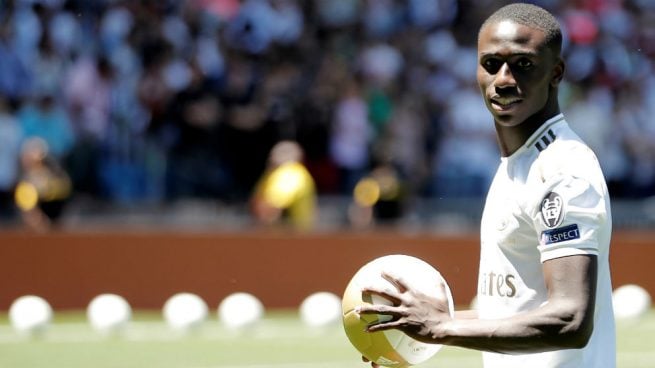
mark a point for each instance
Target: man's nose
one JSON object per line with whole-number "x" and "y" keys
{"x": 504, "y": 77}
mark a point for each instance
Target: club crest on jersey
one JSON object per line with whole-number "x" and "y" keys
{"x": 552, "y": 210}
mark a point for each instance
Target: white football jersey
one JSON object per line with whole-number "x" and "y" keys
{"x": 549, "y": 199}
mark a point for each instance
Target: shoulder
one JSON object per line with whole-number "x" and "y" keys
{"x": 562, "y": 153}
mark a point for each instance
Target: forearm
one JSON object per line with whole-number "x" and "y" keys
{"x": 539, "y": 330}
{"x": 564, "y": 322}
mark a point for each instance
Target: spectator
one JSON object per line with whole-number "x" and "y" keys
{"x": 465, "y": 172}
{"x": 330, "y": 74}
{"x": 88, "y": 101}
{"x": 195, "y": 165}
{"x": 44, "y": 187}
{"x": 14, "y": 73}
{"x": 379, "y": 198}
{"x": 286, "y": 193}
{"x": 46, "y": 119}
{"x": 10, "y": 139}
{"x": 351, "y": 136}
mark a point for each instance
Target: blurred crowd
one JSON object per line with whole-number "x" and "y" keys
{"x": 155, "y": 100}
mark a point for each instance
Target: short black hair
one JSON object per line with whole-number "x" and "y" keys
{"x": 532, "y": 16}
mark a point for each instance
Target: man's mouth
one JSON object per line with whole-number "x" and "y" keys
{"x": 504, "y": 103}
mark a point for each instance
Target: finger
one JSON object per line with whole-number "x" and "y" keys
{"x": 384, "y": 326}
{"x": 391, "y": 295}
{"x": 396, "y": 281}
{"x": 388, "y": 310}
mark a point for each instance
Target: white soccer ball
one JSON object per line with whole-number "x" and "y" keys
{"x": 320, "y": 309}
{"x": 240, "y": 310}
{"x": 185, "y": 311}
{"x": 390, "y": 348}
{"x": 30, "y": 315}
{"x": 109, "y": 314}
{"x": 630, "y": 301}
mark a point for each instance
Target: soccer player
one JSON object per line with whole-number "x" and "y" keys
{"x": 544, "y": 289}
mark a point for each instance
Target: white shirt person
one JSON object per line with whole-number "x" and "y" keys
{"x": 544, "y": 286}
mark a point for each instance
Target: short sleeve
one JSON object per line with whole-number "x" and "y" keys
{"x": 568, "y": 215}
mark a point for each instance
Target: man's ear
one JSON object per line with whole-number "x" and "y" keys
{"x": 558, "y": 72}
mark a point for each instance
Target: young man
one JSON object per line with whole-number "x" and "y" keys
{"x": 544, "y": 289}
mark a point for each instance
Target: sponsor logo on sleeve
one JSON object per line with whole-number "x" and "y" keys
{"x": 561, "y": 234}
{"x": 552, "y": 210}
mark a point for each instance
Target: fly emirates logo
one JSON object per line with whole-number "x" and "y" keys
{"x": 497, "y": 285}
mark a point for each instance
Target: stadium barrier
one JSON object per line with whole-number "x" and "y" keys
{"x": 69, "y": 268}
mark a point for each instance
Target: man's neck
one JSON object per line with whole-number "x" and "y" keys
{"x": 510, "y": 139}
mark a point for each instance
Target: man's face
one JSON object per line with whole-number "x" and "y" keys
{"x": 516, "y": 71}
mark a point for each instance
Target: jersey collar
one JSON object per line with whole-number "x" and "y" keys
{"x": 543, "y": 128}
{"x": 536, "y": 136}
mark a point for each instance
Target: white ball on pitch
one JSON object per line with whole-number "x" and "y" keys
{"x": 630, "y": 301}
{"x": 109, "y": 313}
{"x": 240, "y": 310}
{"x": 391, "y": 348}
{"x": 30, "y": 315}
{"x": 185, "y": 311}
{"x": 320, "y": 309}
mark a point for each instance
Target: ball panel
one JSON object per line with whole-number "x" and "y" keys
{"x": 415, "y": 352}
{"x": 375, "y": 346}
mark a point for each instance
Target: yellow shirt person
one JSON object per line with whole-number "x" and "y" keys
{"x": 286, "y": 192}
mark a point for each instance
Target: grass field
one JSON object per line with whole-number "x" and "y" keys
{"x": 280, "y": 340}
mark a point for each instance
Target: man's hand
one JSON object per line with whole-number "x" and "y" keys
{"x": 418, "y": 315}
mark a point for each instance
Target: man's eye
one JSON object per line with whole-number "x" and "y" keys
{"x": 524, "y": 63}
{"x": 491, "y": 65}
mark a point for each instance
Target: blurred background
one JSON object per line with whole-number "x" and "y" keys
{"x": 166, "y": 112}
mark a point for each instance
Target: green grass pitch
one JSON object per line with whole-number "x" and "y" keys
{"x": 280, "y": 340}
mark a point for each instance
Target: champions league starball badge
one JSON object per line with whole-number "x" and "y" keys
{"x": 552, "y": 207}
